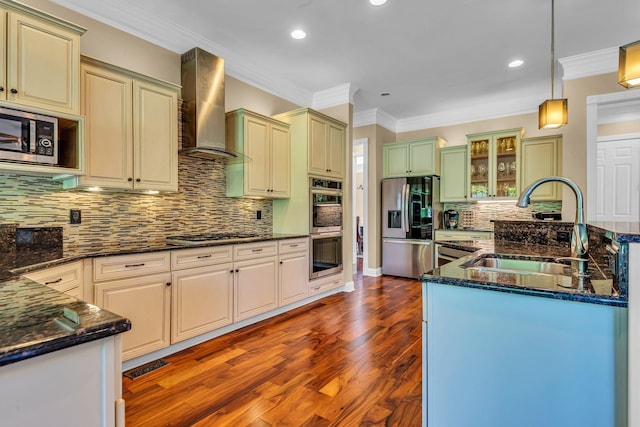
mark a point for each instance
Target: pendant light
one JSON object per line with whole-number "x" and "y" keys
{"x": 552, "y": 113}
{"x": 629, "y": 65}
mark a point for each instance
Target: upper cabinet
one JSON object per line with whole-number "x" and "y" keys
{"x": 412, "y": 158}
{"x": 131, "y": 130}
{"x": 41, "y": 57}
{"x": 542, "y": 157}
{"x": 453, "y": 174}
{"x": 324, "y": 140}
{"x": 494, "y": 164}
{"x": 265, "y": 170}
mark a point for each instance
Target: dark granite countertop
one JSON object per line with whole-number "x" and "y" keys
{"x": 598, "y": 288}
{"x": 31, "y": 315}
{"x": 32, "y": 321}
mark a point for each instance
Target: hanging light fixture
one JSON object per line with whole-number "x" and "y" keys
{"x": 629, "y": 65}
{"x": 552, "y": 113}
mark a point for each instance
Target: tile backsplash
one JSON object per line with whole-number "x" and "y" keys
{"x": 199, "y": 206}
{"x": 478, "y": 216}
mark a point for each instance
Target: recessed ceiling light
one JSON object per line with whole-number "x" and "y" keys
{"x": 377, "y": 2}
{"x": 516, "y": 63}
{"x": 298, "y": 34}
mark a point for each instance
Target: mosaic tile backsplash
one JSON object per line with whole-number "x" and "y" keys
{"x": 200, "y": 206}
{"x": 479, "y": 216}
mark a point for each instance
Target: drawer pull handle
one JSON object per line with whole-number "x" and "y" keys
{"x": 134, "y": 265}
{"x": 204, "y": 256}
{"x": 316, "y": 288}
{"x": 294, "y": 246}
{"x": 53, "y": 281}
{"x": 256, "y": 250}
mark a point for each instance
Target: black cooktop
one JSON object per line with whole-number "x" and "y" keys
{"x": 195, "y": 239}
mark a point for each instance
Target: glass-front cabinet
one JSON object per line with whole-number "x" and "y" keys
{"x": 494, "y": 164}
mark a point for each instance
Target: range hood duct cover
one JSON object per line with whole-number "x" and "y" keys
{"x": 203, "y": 131}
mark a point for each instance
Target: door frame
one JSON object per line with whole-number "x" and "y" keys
{"x": 365, "y": 203}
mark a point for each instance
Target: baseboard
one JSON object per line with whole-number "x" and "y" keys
{"x": 374, "y": 272}
{"x": 349, "y": 286}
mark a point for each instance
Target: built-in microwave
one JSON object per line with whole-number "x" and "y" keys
{"x": 28, "y": 137}
{"x": 326, "y": 206}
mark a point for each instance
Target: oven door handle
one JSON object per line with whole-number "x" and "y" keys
{"x": 327, "y": 192}
{"x": 315, "y": 236}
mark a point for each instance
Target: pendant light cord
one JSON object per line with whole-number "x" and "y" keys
{"x": 553, "y": 54}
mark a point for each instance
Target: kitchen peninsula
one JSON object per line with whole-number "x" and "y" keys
{"x": 506, "y": 348}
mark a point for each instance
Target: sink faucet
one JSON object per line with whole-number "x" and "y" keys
{"x": 579, "y": 238}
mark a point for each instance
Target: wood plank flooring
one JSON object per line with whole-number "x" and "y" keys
{"x": 352, "y": 359}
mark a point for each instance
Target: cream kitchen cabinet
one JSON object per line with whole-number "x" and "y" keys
{"x": 326, "y": 283}
{"x": 494, "y": 164}
{"x": 41, "y": 57}
{"x": 453, "y": 174}
{"x": 265, "y": 171}
{"x": 131, "y": 130}
{"x": 542, "y": 157}
{"x": 137, "y": 287}
{"x": 412, "y": 158}
{"x": 255, "y": 282}
{"x": 65, "y": 278}
{"x": 293, "y": 270}
{"x": 325, "y": 138}
{"x": 442, "y": 235}
{"x": 201, "y": 297}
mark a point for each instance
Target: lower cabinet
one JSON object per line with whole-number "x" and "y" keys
{"x": 201, "y": 300}
{"x": 294, "y": 270}
{"x": 255, "y": 287}
{"x": 146, "y": 302}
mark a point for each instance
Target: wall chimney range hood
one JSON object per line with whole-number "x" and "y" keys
{"x": 203, "y": 132}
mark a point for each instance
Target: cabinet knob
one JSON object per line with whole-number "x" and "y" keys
{"x": 168, "y": 283}
{"x": 237, "y": 270}
{"x": 231, "y": 271}
{"x": 14, "y": 90}
{"x": 280, "y": 262}
{"x": 129, "y": 179}
{"x": 1, "y": 89}
{"x": 137, "y": 179}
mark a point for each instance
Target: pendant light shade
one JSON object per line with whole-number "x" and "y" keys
{"x": 553, "y": 113}
{"x": 629, "y": 66}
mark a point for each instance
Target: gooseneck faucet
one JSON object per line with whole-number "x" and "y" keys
{"x": 579, "y": 238}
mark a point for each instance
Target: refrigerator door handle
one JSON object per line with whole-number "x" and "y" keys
{"x": 405, "y": 208}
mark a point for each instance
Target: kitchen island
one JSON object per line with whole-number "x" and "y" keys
{"x": 515, "y": 349}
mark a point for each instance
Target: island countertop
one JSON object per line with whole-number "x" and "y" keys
{"x": 598, "y": 288}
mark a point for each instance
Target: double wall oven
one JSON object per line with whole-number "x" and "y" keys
{"x": 325, "y": 224}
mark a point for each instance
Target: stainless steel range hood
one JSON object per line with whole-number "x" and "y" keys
{"x": 203, "y": 132}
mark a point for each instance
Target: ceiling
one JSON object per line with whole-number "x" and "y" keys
{"x": 441, "y": 62}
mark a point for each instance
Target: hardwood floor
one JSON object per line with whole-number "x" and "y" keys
{"x": 347, "y": 360}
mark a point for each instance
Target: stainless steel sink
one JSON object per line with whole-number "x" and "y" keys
{"x": 510, "y": 264}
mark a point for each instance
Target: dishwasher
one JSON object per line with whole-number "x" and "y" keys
{"x": 445, "y": 254}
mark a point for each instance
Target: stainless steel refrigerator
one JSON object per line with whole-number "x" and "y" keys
{"x": 410, "y": 212}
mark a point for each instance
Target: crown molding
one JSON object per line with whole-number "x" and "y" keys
{"x": 590, "y": 64}
{"x": 375, "y": 116}
{"x": 331, "y": 97}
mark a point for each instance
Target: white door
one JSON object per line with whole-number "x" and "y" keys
{"x": 618, "y": 179}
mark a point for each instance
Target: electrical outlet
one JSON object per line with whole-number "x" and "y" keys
{"x": 75, "y": 216}
{"x": 258, "y": 214}
{"x": 563, "y": 236}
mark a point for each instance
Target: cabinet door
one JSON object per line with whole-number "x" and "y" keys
{"x": 280, "y": 162}
{"x": 453, "y": 174}
{"x": 201, "y": 300}
{"x": 43, "y": 64}
{"x": 257, "y": 179}
{"x": 421, "y": 158}
{"x": 155, "y": 136}
{"x": 255, "y": 287}
{"x": 317, "y": 146}
{"x": 146, "y": 302}
{"x": 395, "y": 160}
{"x": 506, "y": 165}
{"x": 294, "y": 271}
{"x": 335, "y": 151}
{"x": 106, "y": 103}
{"x": 540, "y": 159}
{"x": 480, "y": 167}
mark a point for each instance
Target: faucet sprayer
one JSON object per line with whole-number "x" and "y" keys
{"x": 579, "y": 238}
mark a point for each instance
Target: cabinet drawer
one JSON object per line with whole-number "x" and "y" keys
{"x": 293, "y": 245}
{"x": 199, "y": 257}
{"x": 464, "y": 235}
{"x": 325, "y": 284}
{"x": 65, "y": 278}
{"x": 123, "y": 266}
{"x": 254, "y": 250}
